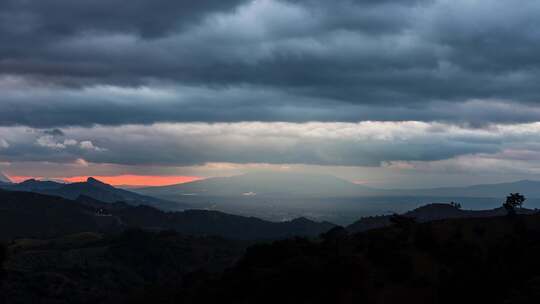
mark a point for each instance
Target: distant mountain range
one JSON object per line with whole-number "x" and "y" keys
{"x": 283, "y": 195}
{"x": 27, "y": 214}
{"x": 31, "y": 214}
{"x": 285, "y": 184}
{"x": 268, "y": 184}
{"x": 94, "y": 189}
{"x": 528, "y": 187}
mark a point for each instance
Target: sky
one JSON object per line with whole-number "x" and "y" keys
{"x": 391, "y": 94}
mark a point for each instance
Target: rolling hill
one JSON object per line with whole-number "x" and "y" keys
{"x": 27, "y": 214}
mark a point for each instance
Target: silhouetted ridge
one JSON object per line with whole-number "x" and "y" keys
{"x": 95, "y": 182}
{"x": 301, "y": 220}
{"x": 36, "y": 185}
{"x": 92, "y": 188}
{"x": 430, "y": 212}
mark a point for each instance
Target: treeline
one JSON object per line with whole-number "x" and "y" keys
{"x": 490, "y": 260}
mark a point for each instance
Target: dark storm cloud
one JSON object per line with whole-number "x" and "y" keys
{"x": 297, "y": 60}
{"x": 60, "y": 18}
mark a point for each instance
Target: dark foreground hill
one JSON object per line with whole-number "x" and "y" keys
{"x": 486, "y": 260}
{"x": 25, "y": 214}
{"x": 472, "y": 260}
{"x": 95, "y": 268}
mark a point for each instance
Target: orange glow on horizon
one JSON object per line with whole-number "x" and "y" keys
{"x": 20, "y": 179}
{"x": 123, "y": 180}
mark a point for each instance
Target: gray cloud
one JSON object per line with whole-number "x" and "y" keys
{"x": 388, "y": 154}
{"x": 54, "y": 132}
{"x": 106, "y": 105}
{"x": 66, "y": 63}
{"x": 343, "y": 144}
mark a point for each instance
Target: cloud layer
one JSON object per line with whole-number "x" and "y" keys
{"x": 341, "y": 144}
{"x": 387, "y": 154}
{"x": 108, "y": 62}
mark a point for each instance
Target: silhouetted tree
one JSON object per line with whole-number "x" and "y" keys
{"x": 455, "y": 205}
{"x": 513, "y": 201}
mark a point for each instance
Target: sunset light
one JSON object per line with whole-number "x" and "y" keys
{"x": 123, "y": 180}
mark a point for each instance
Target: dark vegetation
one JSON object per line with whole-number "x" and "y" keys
{"x": 486, "y": 260}
{"x": 435, "y": 254}
{"x": 513, "y": 202}
{"x": 483, "y": 260}
{"x": 94, "y": 268}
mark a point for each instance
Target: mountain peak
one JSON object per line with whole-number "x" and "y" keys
{"x": 95, "y": 182}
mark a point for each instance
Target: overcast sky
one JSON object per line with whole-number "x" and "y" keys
{"x": 408, "y": 93}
